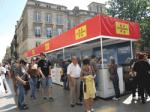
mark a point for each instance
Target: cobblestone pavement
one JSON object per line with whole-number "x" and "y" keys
{"x": 61, "y": 103}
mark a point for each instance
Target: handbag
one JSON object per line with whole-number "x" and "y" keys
{"x": 27, "y": 86}
{"x": 63, "y": 78}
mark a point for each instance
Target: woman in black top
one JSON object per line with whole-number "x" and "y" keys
{"x": 114, "y": 78}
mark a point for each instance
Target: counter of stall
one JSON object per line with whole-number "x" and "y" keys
{"x": 105, "y": 87}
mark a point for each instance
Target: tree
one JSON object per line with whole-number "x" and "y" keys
{"x": 133, "y": 10}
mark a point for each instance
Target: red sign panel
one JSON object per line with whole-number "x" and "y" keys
{"x": 96, "y": 26}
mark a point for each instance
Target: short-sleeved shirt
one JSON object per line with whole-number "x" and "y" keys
{"x": 7, "y": 68}
{"x": 86, "y": 70}
{"x": 2, "y": 72}
{"x": 94, "y": 67}
{"x": 19, "y": 71}
{"x": 44, "y": 65}
{"x": 74, "y": 70}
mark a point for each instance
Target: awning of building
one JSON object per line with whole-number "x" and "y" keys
{"x": 94, "y": 28}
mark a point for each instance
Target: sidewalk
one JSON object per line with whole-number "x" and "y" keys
{"x": 7, "y": 101}
{"x": 61, "y": 104}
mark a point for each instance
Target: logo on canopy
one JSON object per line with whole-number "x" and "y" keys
{"x": 47, "y": 46}
{"x": 33, "y": 52}
{"x": 81, "y": 32}
{"x": 122, "y": 28}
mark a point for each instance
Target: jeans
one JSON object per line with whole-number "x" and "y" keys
{"x": 65, "y": 83}
{"x": 47, "y": 82}
{"x": 33, "y": 83}
{"x": 116, "y": 87}
{"x": 21, "y": 96}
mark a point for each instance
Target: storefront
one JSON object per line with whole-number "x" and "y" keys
{"x": 103, "y": 36}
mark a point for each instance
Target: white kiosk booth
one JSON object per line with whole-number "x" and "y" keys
{"x": 102, "y": 36}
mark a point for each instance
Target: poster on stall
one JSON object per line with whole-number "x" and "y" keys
{"x": 56, "y": 75}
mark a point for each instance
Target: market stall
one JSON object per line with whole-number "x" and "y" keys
{"x": 103, "y": 36}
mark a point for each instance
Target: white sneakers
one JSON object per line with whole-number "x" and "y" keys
{"x": 92, "y": 110}
{"x": 116, "y": 99}
{"x": 133, "y": 98}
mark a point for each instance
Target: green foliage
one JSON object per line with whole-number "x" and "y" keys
{"x": 133, "y": 10}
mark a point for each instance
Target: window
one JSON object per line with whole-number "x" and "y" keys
{"x": 37, "y": 17}
{"x": 38, "y": 43}
{"x": 59, "y": 31}
{"x": 59, "y": 20}
{"x": 49, "y": 32}
{"x": 48, "y": 18}
{"x": 37, "y": 31}
{"x": 36, "y": 4}
{"x": 48, "y": 6}
{"x": 58, "y": 8}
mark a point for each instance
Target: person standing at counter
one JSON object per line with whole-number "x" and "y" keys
{"x": 73, "y": 72}
{"x": 88, "y": 85}
{"x": 133, "y": 79}
{"x": 114, "y": 78}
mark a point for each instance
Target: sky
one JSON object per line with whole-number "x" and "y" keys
{"x": 11, "y": 10}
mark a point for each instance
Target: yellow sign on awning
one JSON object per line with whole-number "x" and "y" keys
{"x": 33, "y": 52}
{"x": 122, "y": 28}
{"x": 47, "y": 46}
{"x": 81, "y": 32}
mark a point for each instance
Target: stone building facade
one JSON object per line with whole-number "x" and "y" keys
{"x": 41, "y": 21}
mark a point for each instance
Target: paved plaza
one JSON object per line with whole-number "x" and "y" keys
{"x": 61, "y": 103}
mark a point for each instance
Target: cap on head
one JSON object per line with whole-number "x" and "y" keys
{"x": 22, "y": 61}
{"x": 85, "y": 57}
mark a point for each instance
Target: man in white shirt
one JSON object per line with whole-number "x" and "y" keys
{"x": 73, "y": 72}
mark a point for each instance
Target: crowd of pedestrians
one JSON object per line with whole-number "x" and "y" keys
{"x": 80, "y": 77}
{"x": 29, "y": 76}
{"x": 140, "y": 75}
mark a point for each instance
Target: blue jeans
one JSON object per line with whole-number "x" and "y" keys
{"x": 21, "y": 96}
{"x": 47, "y": 82}
{"x": 33, "y": 83}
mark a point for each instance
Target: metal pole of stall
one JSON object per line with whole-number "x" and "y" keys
{"x": 63, "y": 54}
{"x": 102, "y": 58}
{"x": 131, "y": 44}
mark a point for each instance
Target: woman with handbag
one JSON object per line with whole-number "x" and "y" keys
{"x": 88, "y": 85}
{"x": 33, "y": 72}
{"x": 114, "y": 78}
